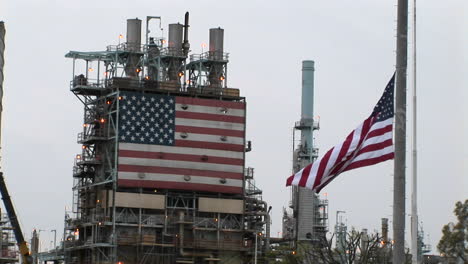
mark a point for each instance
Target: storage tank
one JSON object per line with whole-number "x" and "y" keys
{"x": 175, "y": 38}
{"x": 216, "y": 43}
{"x": 134, "y": 34}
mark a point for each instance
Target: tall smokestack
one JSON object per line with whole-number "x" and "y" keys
{"x": 306, "y": 198}
{"x": 186, "y": 45}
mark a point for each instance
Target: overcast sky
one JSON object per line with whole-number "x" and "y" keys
{"x": 351, "y": 42}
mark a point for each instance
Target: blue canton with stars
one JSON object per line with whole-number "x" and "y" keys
{"x": 384, "y": 108}
{"x": 147, "y": 119}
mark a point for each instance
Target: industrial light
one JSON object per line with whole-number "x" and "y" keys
{"x": 85, "y": 125}
{"x": 120, "y": 97}
{"x": 83, "y": 147}
{"x": 102, "y": 120}
{"x": 259, "y": 234}
{"x": 108, "y": 102}
{"x": 163, "y": 41}
{"x": 138, "y": 70}
{"x": 294, "y": 252}
{"x": 147, "y": 77}
{"x": 221, "y": 78}
{"x": 120, "y": 36}
{"x": 90, "y": 69}
{"x": 216, "y": 219}
{"x": 78, "y": 156}
{"x": 180, "y": 74}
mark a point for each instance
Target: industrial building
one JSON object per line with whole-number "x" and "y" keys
{"x": 161, "y": 177}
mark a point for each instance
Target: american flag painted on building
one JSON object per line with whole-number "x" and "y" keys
{"x": 370, "y": 143}
{"x": 185, "y": 143}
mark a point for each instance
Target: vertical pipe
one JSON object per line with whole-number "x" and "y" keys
{"x": 307, "y": 105}
{"x": 414, "y": 194}
{"x": 399, "y": 184}
{"x": 186, "y": 45}
{"x": 2, "y": 62}
{"x": 255, "y": 253}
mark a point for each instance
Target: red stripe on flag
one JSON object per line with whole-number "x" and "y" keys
{"x": 343, "y": 151}
{"x": 289, "y": 180}
{"x": 180, "y": 186}
{"x": 323, "y": 184}
{"x": 210, "y": 131}
{"x": 210, "y": 117}
{"x": 350, "y": 155}
{"x": 210, "y": 102}
{"x": 374, "y": 147}
{"x": 180, "y": 171}
{"x": 180, "y": 157}
{"x": 209, "y": 145}
{"x": 305, "y": 175}
{"x": 321, "y": 168}
{"x": 380, "y": 131}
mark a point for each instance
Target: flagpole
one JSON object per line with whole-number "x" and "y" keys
{"x": 414, "y": 184}
{"x": 399, "y": 184}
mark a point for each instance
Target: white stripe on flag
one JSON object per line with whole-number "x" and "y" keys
{"x": 181, "y": 150}
{"x": 178, "y": 178}
{"x": 209, "y": 138}
{"x": 373, "y": 154}
{"x": 378, "y": 139}
{"x": 210, "y": 110}
{"x": 208, "y": 124}
{"x": 181, "y": 164}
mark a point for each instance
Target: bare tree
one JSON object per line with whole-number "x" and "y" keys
{"x": 359, "y": 248}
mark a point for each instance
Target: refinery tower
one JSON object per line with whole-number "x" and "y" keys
{"x": 161, "y": 177}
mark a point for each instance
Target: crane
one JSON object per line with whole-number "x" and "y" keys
{"x": 23, "y": 246}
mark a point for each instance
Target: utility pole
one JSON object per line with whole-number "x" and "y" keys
{"x": 414, "y": 185}
{"x": 2, "y": 63}
{"x": 399, "y": 184}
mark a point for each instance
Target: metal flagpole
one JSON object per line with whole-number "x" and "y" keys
{"x": 414, "y": 185}
{"x": 400, "y": 134}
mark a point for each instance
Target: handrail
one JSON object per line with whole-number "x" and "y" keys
{"x": 210, "y": 55}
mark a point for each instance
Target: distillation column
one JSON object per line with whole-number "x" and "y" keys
{"x": 306, "y": 200}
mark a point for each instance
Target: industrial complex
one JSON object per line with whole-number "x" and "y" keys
{"x": 161, "y": 176}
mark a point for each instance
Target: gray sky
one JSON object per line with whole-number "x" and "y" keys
{"x": 352, "y": 43}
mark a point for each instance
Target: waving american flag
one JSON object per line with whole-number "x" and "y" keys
{"x": 370, "y": 143}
